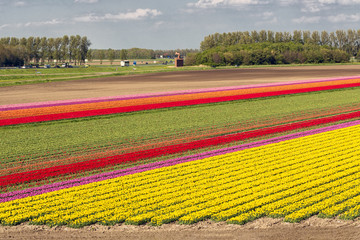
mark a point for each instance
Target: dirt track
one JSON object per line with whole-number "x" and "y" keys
{"x": 159, "y": 82}
{"x": 269, "y": 229}
{"x": 261, "y": 229}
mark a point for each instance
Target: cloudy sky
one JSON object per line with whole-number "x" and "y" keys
{"x": 169, "y": 24}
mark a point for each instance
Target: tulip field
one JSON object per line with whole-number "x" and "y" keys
{"x": 283, "y": 150}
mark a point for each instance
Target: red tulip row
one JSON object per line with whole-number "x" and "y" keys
{"x": 161, "y": 151}
{"x": 68, "y": 157}
{"x": 89, "y": 113}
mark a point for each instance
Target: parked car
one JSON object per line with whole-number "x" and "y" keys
{"x": 66, "y": 65}
{"x": 47, "y": 66}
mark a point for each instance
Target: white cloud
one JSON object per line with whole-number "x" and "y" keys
{"x": 304, "y": 19}
{"x": 86, "y": 1}
{"x": 344, "y": 18}
{"x": 267, "y": 15}
{"x": 268, "y": 21}
{"x": 286, "y": 2}
{"x": 342, "y": 2}
{"x": 317, "y": 5}
{"x": 19, "y": 4}
{"x": 225, "y": 3}
{"x": 136, "y": 15}
{"x": 4, "y": 26}
{"x": 32, "y": 24}
{"x": 44, "y": 23}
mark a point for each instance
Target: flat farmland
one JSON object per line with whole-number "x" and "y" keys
{"x": 252, "y": 153}
{"x": 170, "y": 81}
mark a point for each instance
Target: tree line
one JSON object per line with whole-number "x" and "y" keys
{"x": 268, "y": 47}
{"x": 136, "y": 53}
{"x": 18, "y": 51}
{"x": 267, "y": 53}
{"x": 348, "y": 41}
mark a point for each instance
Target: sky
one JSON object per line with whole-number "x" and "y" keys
{"x": 169, "y": 24}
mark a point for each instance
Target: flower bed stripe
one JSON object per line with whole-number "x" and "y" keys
{"x": 22, "y": 166}
{"x": 51, "y": 160}
{"x": 220, "y": 187}
{"x": 5, "y": 197}
{"x": 17, "y": 178}
{"x": 89, "y": 113}
{"x": 171, "y": 93}
{"x": 153, "y": 100}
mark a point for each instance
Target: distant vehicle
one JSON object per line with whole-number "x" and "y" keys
{"x": 125, "y": 63}
{"x": 47, "y": 66}
{"x": 66, "y": 65}
{"x": 56, "y": 66}
{"x": 26, "y": 66}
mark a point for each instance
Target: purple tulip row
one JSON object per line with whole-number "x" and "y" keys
{"x": 162, "y": 94}
{"x": 5, "y": 197}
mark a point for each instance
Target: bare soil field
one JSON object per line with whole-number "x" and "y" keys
{"x": 170, "y": 81}
{"x": 261, "y": 229}
{"x": 265, "y": 228}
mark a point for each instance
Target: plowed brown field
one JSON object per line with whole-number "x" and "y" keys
{"x": 162, "y": 82}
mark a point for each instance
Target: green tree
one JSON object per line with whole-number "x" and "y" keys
{"x": 65, "y": 47}
{"x": 263, "y": 36}
{"x": 89, "y": 55}
{"x": 279, "y": 37}
{"x": 255, "y": 36}
{"x": 111, "y": 55}
{"x": 297, "y": 36}
{"x": 43, "y": 49}
{"x": 36, "y": 49}
{"x": 270, "y": 36}
{"x": 14, "y": 41}
{"x": 73, "y": 45}
{"x": 4, "y": 41}
{"x": 207, "y": 43}
{"x": 341, "y": 38}
{"x": 101, "y": 56}
{"x": 123, "y": 54}
{"x": 29, "y": 49}
{"x": 84, "y": 48}
{"x": 333, "y": 40}
{"x": 57, "y": 49}
{"x": 77, "y": 55}
{"x": 50, "y": 49}
{"x": 315, "y": 38}
{"x": 190, "y": 59}
{"x": 306, "y": 36}
{"x": 325, "y": 38}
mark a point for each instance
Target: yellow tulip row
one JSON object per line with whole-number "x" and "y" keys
{"x": 347, "y": 207}
{"x": 299, "y": 201}
{"x": 223, "y": 207}
{"x": 294, "y": 178}
{"x": 56, "y": 200}
{"x": 353, "y": 212}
